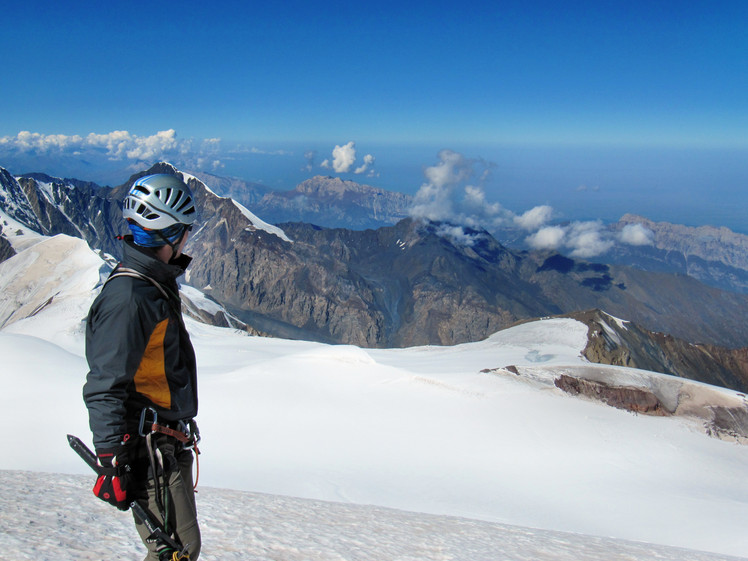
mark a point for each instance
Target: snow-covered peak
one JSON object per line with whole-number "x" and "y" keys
{"x": 260, "y": 224}
{"x": 56, "y": 276}
{"x": 256, "y": 222}
{"x": 14, "y": 204}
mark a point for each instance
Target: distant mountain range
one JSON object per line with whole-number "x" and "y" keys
{"x": 408, "y": 283}
{"x": 715, "y": 256}
{"x": 325, "y": 201}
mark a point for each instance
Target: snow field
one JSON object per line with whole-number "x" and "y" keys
{"x": 421, "y": 430}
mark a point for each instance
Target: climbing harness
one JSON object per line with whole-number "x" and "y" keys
{"x": 187, "y": 433}
{"x": 188, "y": 436}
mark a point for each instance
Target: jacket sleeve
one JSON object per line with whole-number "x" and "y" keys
{"x": 118, "y": 328}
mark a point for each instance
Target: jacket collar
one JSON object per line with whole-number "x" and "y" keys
{"x": 144, "y": 260}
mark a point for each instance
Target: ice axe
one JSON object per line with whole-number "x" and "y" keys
{"x": 172, "y": 550}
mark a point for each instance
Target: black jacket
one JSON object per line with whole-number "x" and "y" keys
{"x": 138, "y": 350}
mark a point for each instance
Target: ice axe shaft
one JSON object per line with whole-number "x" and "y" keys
{"x": 157, "y": 533}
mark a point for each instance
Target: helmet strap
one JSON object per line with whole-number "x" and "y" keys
{"x": 174, "y": 246}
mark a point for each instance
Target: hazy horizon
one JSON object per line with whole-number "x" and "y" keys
{"x": 593, "y": 109}
{"x": 687, "y": 186}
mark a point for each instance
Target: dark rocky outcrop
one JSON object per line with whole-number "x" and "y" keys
{"x": 622, "y": 343}
{"x": 636, "y": 400}
{"x": 6, "y": 250}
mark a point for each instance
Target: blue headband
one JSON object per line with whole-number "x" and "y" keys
{"x": 155, "y": 238}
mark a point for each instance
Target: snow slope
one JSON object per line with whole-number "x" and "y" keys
{"x": 420, "y": 430}
{"x": 68, "y": 525}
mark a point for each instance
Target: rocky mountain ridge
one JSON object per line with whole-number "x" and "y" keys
{"x": 326, "y": 201}
{"x": 715, "y": 256}
{"x": 624, "y": 343}
{"x": 412, "y": 283}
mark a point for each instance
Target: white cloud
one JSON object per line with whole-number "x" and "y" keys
{"x": 452, "y": 169}
{"x": 343, "y": 157}
{"x": 343, "y": 160}
{"x": 26, "y": 141}
{"x": 583, "y": 239}
{"x": 434, "y": 200}
{"x": 446, "y": 197}
{"x": 151, "y": 147}
{"x": 550, "y": 237}
{"x": 588, "y": 239}
{"x": 368, "y": 162}
{"x": 475, "y": 202}
{"x": 457, "y": 234}
{"x": 636, "y": 234}
{"x": 117, "y": 145}
{"x": 534, "y": 218}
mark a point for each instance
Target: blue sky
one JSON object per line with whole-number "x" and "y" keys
{"x": 625, "y": 103}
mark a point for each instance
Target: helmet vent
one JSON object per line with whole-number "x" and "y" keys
{"x": 187, "y": 201}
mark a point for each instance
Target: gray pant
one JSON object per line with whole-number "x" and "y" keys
{"x": 181, "y": 511}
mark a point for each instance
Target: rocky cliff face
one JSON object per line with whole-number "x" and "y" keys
{"x": 6, "y": 250}
{"x": 705, "y": 242}
{"x": 623, "y": 343}
{"x": 408, "y": 284}
{"x": 414, "y": 283}
{"x": 52, "y": 206}
{"x": 715, "y": 256}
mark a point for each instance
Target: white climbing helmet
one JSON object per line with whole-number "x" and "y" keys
{"x": 159, "y": 201}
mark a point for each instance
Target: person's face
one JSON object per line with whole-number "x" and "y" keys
{"x": 165, "y": 254}
{"x": 183, "y": 241}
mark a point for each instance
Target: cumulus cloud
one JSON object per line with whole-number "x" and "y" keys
{"x": 117, "y": 146}
{"x": 343, "y": 157}
{"x": 458, "y": 234}
{"x": 588, "y": 239}
{"x": 368, "y": 162}
{"x": 534, "y": 218}
{"x": 454, "y": 192}
{"x": 449, "y": 195}
{"x": 636, "y": 234}
{"x": 550, "y": 237}
{"x": 582, "y": 239}
{"x": 343, "y": 160}
{"x": 438, "y": 198}
{"x": 449, "y": 171}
